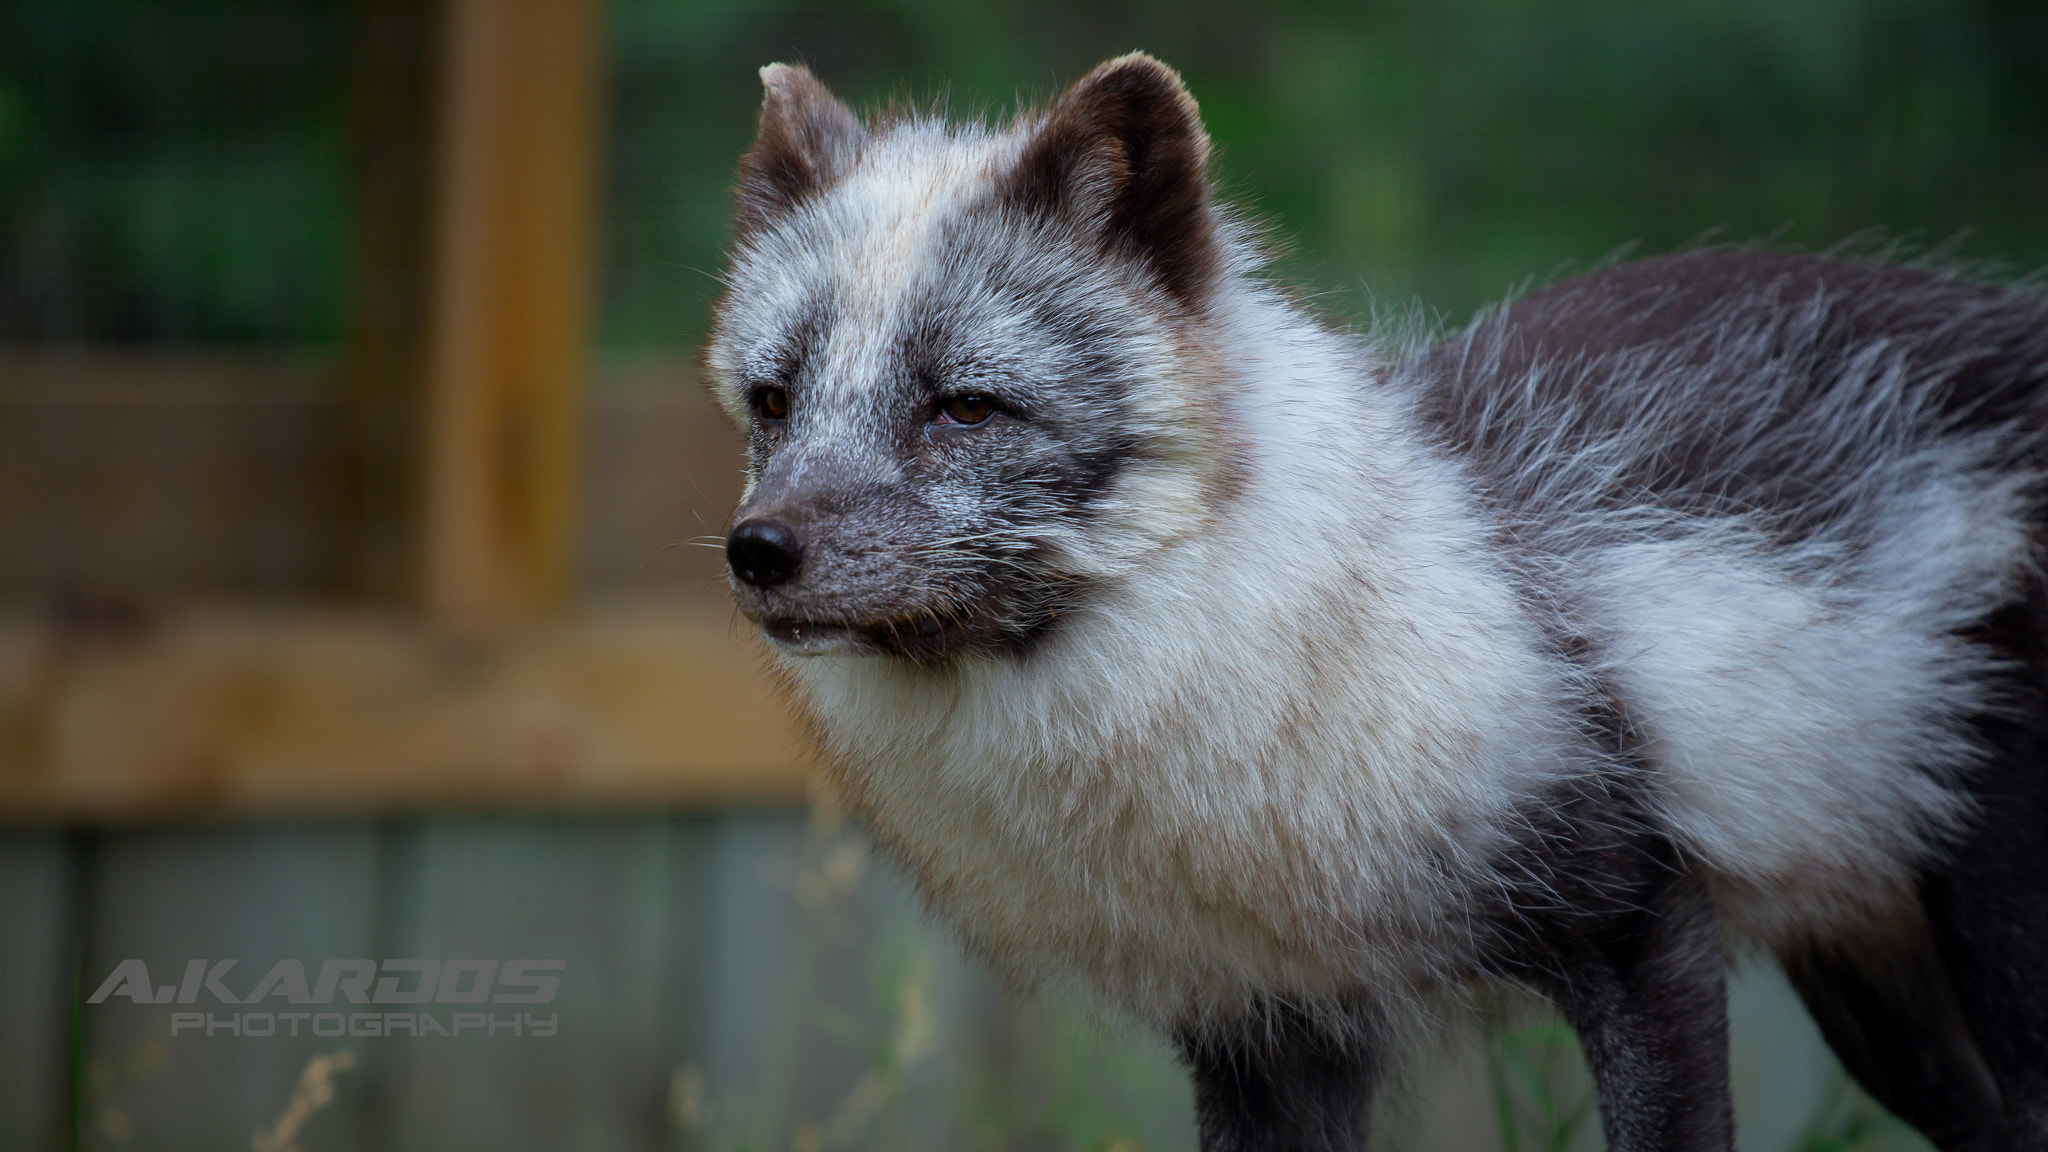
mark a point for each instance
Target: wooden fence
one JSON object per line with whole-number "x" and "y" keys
{"x": 732, "y": 980}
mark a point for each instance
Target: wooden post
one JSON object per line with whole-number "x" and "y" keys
{"x": 395, "y": 90}
{"x": 512, "y": 271}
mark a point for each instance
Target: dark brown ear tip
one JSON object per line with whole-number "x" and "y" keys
{"x": 807, "y": 140}
{"x": 785, "y": 81}
{"x": 1138, "y": 70}
{"x": 1124, "y": 152}
{"x": 1134, "y": 87}
{"x": 1138, "y": 62}
{"x": 792, "y": 88}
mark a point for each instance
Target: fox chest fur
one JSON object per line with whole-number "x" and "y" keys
{"x": 1184, "y": 822}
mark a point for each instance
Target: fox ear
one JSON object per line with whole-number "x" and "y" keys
{"x": 807, "y": 141}
{"x": 1125, "y": 152}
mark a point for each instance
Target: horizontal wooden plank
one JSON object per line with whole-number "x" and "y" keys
{"x": 219, "y": 474}
{"x": 235, "y": 712}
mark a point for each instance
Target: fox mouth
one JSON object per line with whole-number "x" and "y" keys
{"x": 924, "y": 637}
{"x": 810, "y": 637}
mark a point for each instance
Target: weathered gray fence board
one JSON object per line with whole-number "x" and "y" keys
{"x": 35, "y": 892}
{"x": 833, "y": 1009}
{"x": 604, "y": 897}
{"x": 254, "y": 895}
{"x": 762, "y": 963}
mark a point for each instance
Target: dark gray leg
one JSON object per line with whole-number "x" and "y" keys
{"x": 1990, "y": 919}
{"x": 1280, "y": 1082}
{"x": 1651, "y": 1008}
{"x": 1891, "y": 1015}
{"x": 1636, "y": 967}
{"x": 1988, "y": 906}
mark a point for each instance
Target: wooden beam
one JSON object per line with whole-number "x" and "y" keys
{"x": 513, "y": 232}
{"x": 231, "y": 713}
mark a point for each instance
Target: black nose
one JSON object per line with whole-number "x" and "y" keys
{"x": 764, "y": 553}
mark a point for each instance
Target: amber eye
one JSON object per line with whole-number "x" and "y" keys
{"x": 965, "y": 410}
{"x": 773, "y": 403}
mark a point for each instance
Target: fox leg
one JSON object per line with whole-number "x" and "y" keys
{"x": 1989, "y": 910}
{"x": 1621, "y": 935}
{"x": 1647, "y": 993}
{"x": 1282, "y": 1080}
{"x": 1891, "y": 1014}
{"x": 1987, "y": 903}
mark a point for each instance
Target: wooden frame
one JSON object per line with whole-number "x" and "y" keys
{"x": 468, "y": 684}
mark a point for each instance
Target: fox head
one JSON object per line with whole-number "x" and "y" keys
{"x": 975, "y": 365}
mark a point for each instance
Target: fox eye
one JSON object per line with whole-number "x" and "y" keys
{"x": 772, "y": 403}
{"x": 964, "y": 410}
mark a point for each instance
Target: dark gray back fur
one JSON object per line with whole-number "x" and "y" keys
{"x": 1783, "y": 389}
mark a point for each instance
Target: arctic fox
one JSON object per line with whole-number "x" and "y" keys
{"x": 1288, "y": 691}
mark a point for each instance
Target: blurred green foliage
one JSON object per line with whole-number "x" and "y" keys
{"x": 173, "y": 170}
{"x": 1542, "y": 1095}
{"x": 178, "y": 169}
{"x": 1449, "y": 149}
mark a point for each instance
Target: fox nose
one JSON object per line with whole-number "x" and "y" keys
{"x": 764, "y": 553}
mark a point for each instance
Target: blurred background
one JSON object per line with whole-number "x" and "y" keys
{"x": 356, "y": 488}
